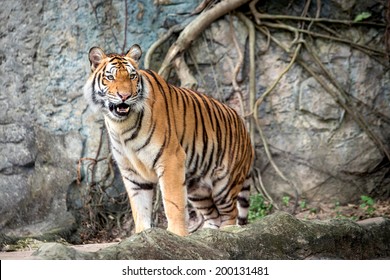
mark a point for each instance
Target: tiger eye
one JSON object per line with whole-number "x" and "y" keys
{"x": 133, "y": 76}
{"x": 110, "y": 77}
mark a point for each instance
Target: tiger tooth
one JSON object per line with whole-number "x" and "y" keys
{"x": 122, "y": 110}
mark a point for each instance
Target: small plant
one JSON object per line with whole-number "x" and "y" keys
{"x": 302, "y": 204}
{"x": 354, "y": 218}
{"x": 258, "y": 208}
{"x": 362, "y": 16}
{"x": 367, "y": 204}
{"x": 286, "y": 200}
{"x": 339, "y": 214}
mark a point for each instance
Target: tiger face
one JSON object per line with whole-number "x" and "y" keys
{"x": 115, "y": 86}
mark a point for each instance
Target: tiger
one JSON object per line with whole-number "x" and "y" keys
{"x": 194, "y": 148}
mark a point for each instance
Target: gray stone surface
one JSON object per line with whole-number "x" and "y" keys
{"x": 45, "y": 126}
{"x": 278, "y": 236}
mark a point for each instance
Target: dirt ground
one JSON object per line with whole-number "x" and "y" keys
{"x": 356, "y": 212}
{"x": 27, "y": 253}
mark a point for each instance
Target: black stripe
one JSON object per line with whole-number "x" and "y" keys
{"x": 196, "y": 162}
{"x": 174, "y": 90}
{"x": 159, "y": 153}
{"x": 242, "y": 221}
{"x": 222, "y": 131}
{"x": 128, "y": 169}
{"x": 192, "y": 183}
{"x": 162, "y": 91}
{"x": 191, "y": 98}
{"x": 112, "y": 59}
{"x": 185, "y": 102}
{"x": 244, "y": 203}
{"x": 208, "y": 208}
{"x": 180, "y": 103}
{"x": 204, "y": 132}
{"x": 209, "y": 161}
{"x": 138, "y": 126}
{"x": 246, "y": 187}
{"x": 132, "y": 127}
{"x": 194, "y": 135}
{"x": 216, "y": 132}
{"x": 209, "y": 211}
{"x": 171, "y": 109}
{"x": 205, "y": 101}
{"x": 203, "y": 128}
{"x": 199, "y": 198}
{"x": 148, "y": 139}
{"x": 99, "y": 77}
{"x": 218, "y": 139}
{"x": 237, "y": 125}
{"x": 192, "y": 155}
{"x": 221, "y": 177}
{"x": 235, "y": 137}
{"x": 220, "y": 197}
{"x": 116, "y": 150}
{"x": 151, "y": 84}
{"x": 229, "y": 135}
{"x": 161, "y": 174}
{"x": 228, "y": 206}
{"x": 141, "y": 93}
{"x": 141, "y": 186}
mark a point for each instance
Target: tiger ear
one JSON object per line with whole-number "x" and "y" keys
{"x": 96, "y": 56}
{"x": 135, "y": 53}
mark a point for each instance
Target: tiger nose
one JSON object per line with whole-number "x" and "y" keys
{"x": 123, "y": 96}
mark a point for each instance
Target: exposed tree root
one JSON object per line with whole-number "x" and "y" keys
{"x": 195, "y": 28}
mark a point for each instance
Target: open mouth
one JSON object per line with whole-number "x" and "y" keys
{"x": 120, "y": 110}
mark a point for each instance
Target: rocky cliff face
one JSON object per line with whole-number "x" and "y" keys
{"x": 46, "y": 126}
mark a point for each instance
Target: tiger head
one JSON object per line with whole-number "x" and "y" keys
{"x": 115, "y": 85}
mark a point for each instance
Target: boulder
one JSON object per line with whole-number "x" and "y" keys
{"x": 277, "y": 236}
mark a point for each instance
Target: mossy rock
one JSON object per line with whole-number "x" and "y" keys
{"x": 277, "y": 236}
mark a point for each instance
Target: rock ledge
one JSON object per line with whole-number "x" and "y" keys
{"x": 277, "y": 236}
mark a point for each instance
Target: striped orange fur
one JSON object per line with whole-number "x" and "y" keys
{"x": 195, "y": 148}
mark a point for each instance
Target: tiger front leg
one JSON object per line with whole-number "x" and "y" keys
{"x": 141, "y": 201}
{"x": 174, "y": 195}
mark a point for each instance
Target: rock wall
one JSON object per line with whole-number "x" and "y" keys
{"x": 317, "y": 145}
{"x": 46, "y": 126}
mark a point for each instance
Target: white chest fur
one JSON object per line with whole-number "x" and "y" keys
{"x": 126, "y": 148}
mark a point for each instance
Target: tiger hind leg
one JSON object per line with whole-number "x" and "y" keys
{"x": 195, "y": 220}
{"x": 199, "y": 194}
{"x": 225, "y": 201}
{"x": 232, "y": 203}
{"x": 243, "y": 202}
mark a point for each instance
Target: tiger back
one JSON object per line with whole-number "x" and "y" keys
{"x": 195, "y": 148}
